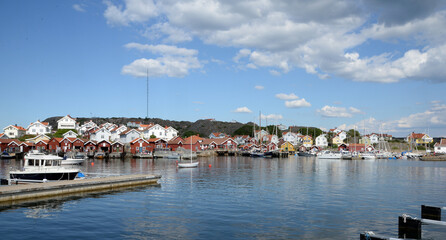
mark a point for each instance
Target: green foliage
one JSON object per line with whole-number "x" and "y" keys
{"x": 152, "y": 136}
{"x": 24, "y": 137}
{"x": 61, "y": 132}
{"x": 353, "y": 135}
{"x": 272, "y": 129}
{"x": 244, "y": 130}
{"x": 191, "y": 133}
{"x": 334, "y": 146}
{"x": 312, "y": 131}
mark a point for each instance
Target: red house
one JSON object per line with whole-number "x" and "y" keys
{"x": 156, "y": 143}
{"x": 67, "y": 144}
{"x": 193, "y": 142}
{"x": 91, "y": 146}
{"x": 26, "y": 146}
{"x": 4, "y": 144}
{"x": 14, "y": 146}
{"x": 104, "y": 146}
{"x": 117, "y": 147}
{"x": 41, "y": 145}
{"x": 139, "y": 145}
{"x": 54, "y": 144}
{"x": 78, "y": 144}
{"x": 175, "y": 143}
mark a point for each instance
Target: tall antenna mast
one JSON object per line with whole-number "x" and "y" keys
{"x": 147, "y": 115}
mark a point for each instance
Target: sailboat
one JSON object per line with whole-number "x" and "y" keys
{"x": 189, "y": 164}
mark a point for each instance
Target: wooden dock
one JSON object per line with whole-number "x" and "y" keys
{"x": 22, "y": 192}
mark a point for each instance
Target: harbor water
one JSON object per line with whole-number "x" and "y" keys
{"x": 238, "y": 198}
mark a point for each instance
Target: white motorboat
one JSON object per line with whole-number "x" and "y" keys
{"x": 368, "y": 155}
{"x": 40, "y": 167}
{"x": 73, "y": 160}
{"x": 327, "y": 154}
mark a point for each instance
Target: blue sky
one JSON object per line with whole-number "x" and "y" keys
{"x": 375, "y": 65}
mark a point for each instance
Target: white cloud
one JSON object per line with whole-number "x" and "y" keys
{"x": 284, "y": 96}
{"x": 163, "y": 49}
{"x": 258, "y": 87}
{"x": 242, "y": 110}
{"x": 79, "y": 7}
{"x": 174, "y": 62}
{"x": 297, "y": 103}
{"x": 271, "y": 116}
{"x": 301, "y": 34}
{"x": 338, "y": 112}
{"x": 135, "y": 11}
{"x": 163, "y": 66}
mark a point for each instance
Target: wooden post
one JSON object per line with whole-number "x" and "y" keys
{"x": 433, "y": 213}
{"x": 409, "y": 227}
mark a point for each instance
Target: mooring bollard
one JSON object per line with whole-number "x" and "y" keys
{"x": 429, "y": 212}
{"x": 409, "y": 227}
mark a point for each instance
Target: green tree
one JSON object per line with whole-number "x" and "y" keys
{"x": 152, "y": 136}
{"x": 61, "y": 132}
{"x": 244, "y": 130}
{"x": 353, "y": 136}
{"x": 191, "y": 133}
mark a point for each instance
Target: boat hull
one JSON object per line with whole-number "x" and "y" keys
{"x": 188, "y": 165}
{"x": 48, "y": 176}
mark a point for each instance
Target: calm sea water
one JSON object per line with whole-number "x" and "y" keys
{"x": 238, "y": 198}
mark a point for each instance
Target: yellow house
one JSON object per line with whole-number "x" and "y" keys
{"x": 419, "y": 138}
{"x": 307, "y": 141}
{"x": 337, "y": 140}
{"x": 287, "y": 147}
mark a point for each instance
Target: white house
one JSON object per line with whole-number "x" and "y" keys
{"x": 440, "y": 147}
{"x": 67, "y": 122}
{"x": 70, "y": 134}
{"x": 290, "y": 137}
{"x": 271, "y": 139}
{"x": 156, "y": 130}
{"x": 321, "y": 141}
{"x": 170, "y": 133}
{"x": 86, "y": 126}
{"x": 129, "y": 135}
{"x": 100, "y": 134}
{"x": 260, "y": 133}
{"x": 116, "y": 132}
{"x": 14, "y": 131}
{"x": 374, "y": 138}
{"x": 342, "y": 135}
{"x": 38, "y": 127}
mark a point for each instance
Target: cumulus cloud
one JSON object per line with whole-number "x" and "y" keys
{"x": 284, "y": 96}
{"x": 297, "y": 103}
{"x": 242, "y": 110}
{"x": 258, "y": 87}
{"x": 338, "y": 112}
{"x": 271, "y": 117}
{"x": 174, "y": 61}
{"x": 283, "y": 35}
{"x": 134, "y": 11}
{"x": 79, "y": 7}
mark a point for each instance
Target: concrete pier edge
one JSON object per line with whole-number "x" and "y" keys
{"x": 49, "y": 189}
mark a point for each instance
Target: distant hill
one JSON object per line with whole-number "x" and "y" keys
{"x": 204, "y": 127}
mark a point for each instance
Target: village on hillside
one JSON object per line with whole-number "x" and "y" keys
{"x": 137, "y": 139}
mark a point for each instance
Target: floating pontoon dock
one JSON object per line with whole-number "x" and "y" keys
{"x": 52, "y": 189}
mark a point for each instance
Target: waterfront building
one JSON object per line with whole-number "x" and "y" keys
{"x": 337, "y": 140}
{"x": 129, "y": 135}
{"x": 86, "y": 126}
{"x": 38, "y": 138}
{"x": 116, "y": 132}
{"x": 38, "y": 127}
{"x": 307, "y": 141}
{"x": 14, "y": 131}
{"x": 100, "y": 134}
{"x": 67, "y": 122}
{"x": 287, "y": 147}
{"x": 291, "y": 137}
{"x": 419, "y": 138}
{"x": 139, "y": 145}
{"x": 217, "y": 135}
{"x": 440, "y": 147}
{"x": 70, "y": 134}
{"x": 321, "y": 141}
{"x": 170, "y": 133}
{"x": 175, "y": 143}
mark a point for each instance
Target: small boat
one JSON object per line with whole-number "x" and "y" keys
{"x": 306, "y": 154}
{"x": 99, "y": 155}
{"x": 42, "y": 167}
{"x": 77, "y": 158}
{"x": 189, "y": 164}
{"x": 368, "y": 155}
{"x": 6, "y": 155}
{"x": 174, "y": 155}
{"x": 327, "y": 154}
{"x": 257, "y": 153}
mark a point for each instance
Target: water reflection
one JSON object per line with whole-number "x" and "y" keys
{"x": 244, "y": 198}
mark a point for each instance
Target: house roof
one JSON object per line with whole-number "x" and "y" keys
{"x": 194, "y": 139}
{"x": 137, "y": 140}
{"x": 129, "y": 130}
{"x": 416, "y": 135}
{"x": 154, "y": 140}
{"x": 57, "y": 139}
{"x": 176, "y": 140}
{"x": 68, "y": 116}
